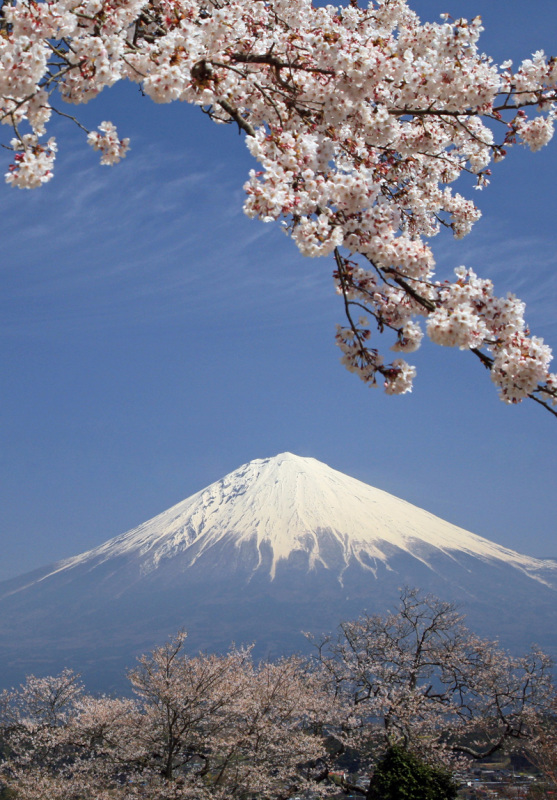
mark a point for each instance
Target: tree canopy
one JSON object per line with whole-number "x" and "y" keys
{"x": 430, "y": 684}
{"x": 413, "y": 694}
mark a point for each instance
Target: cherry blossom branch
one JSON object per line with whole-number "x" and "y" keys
{"x": 361, "y": 121}
{"x": 242, "y": 123}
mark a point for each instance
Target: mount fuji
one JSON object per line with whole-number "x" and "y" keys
{"x": 279, "y": 546}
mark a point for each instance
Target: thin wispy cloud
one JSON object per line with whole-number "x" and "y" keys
{"x": 524, "y": 265}
{"x": 122, "y": 246}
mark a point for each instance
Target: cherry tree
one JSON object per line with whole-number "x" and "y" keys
{"x": 233, "y": 727}
{"x": 199, "y": 727}
{"x": 541, "y": 750}
{"x": 33, "y": 721}
{"x": 418, "y": 679}
{"x": 361, "y": 119}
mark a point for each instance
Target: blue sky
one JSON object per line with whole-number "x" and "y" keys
{"x": 153, "y": 338}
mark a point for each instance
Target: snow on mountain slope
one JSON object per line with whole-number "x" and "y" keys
{"x": 279, "y": 546}
{"x": 288, "y": 505}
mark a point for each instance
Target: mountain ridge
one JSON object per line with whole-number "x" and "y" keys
{"x": 261, "y": 500}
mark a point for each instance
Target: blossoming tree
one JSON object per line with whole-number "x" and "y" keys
{"x": 542, "y": 748}
{"x": 206, "y": 727}
{"x": 417, "y": 679}
{"x": 361, "y": 119}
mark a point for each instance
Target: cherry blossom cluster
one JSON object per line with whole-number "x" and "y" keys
{"x": 33, "y": 162}
{"x": 361, "y": 119}
{"x": 108, "y": 143}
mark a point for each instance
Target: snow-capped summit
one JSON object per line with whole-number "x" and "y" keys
{"x": 288, "y": 505}
{"x": 278, "y": 546}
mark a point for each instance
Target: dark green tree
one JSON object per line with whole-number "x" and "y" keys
{"x": 400, "y": 775}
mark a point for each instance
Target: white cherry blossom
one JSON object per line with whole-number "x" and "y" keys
{"x": 33, "y": 162}
{"x": 108, "y": 143}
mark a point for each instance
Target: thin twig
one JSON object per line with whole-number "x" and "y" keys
{"x": 237, "y": 117}
{"x": 73, "y": 119}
